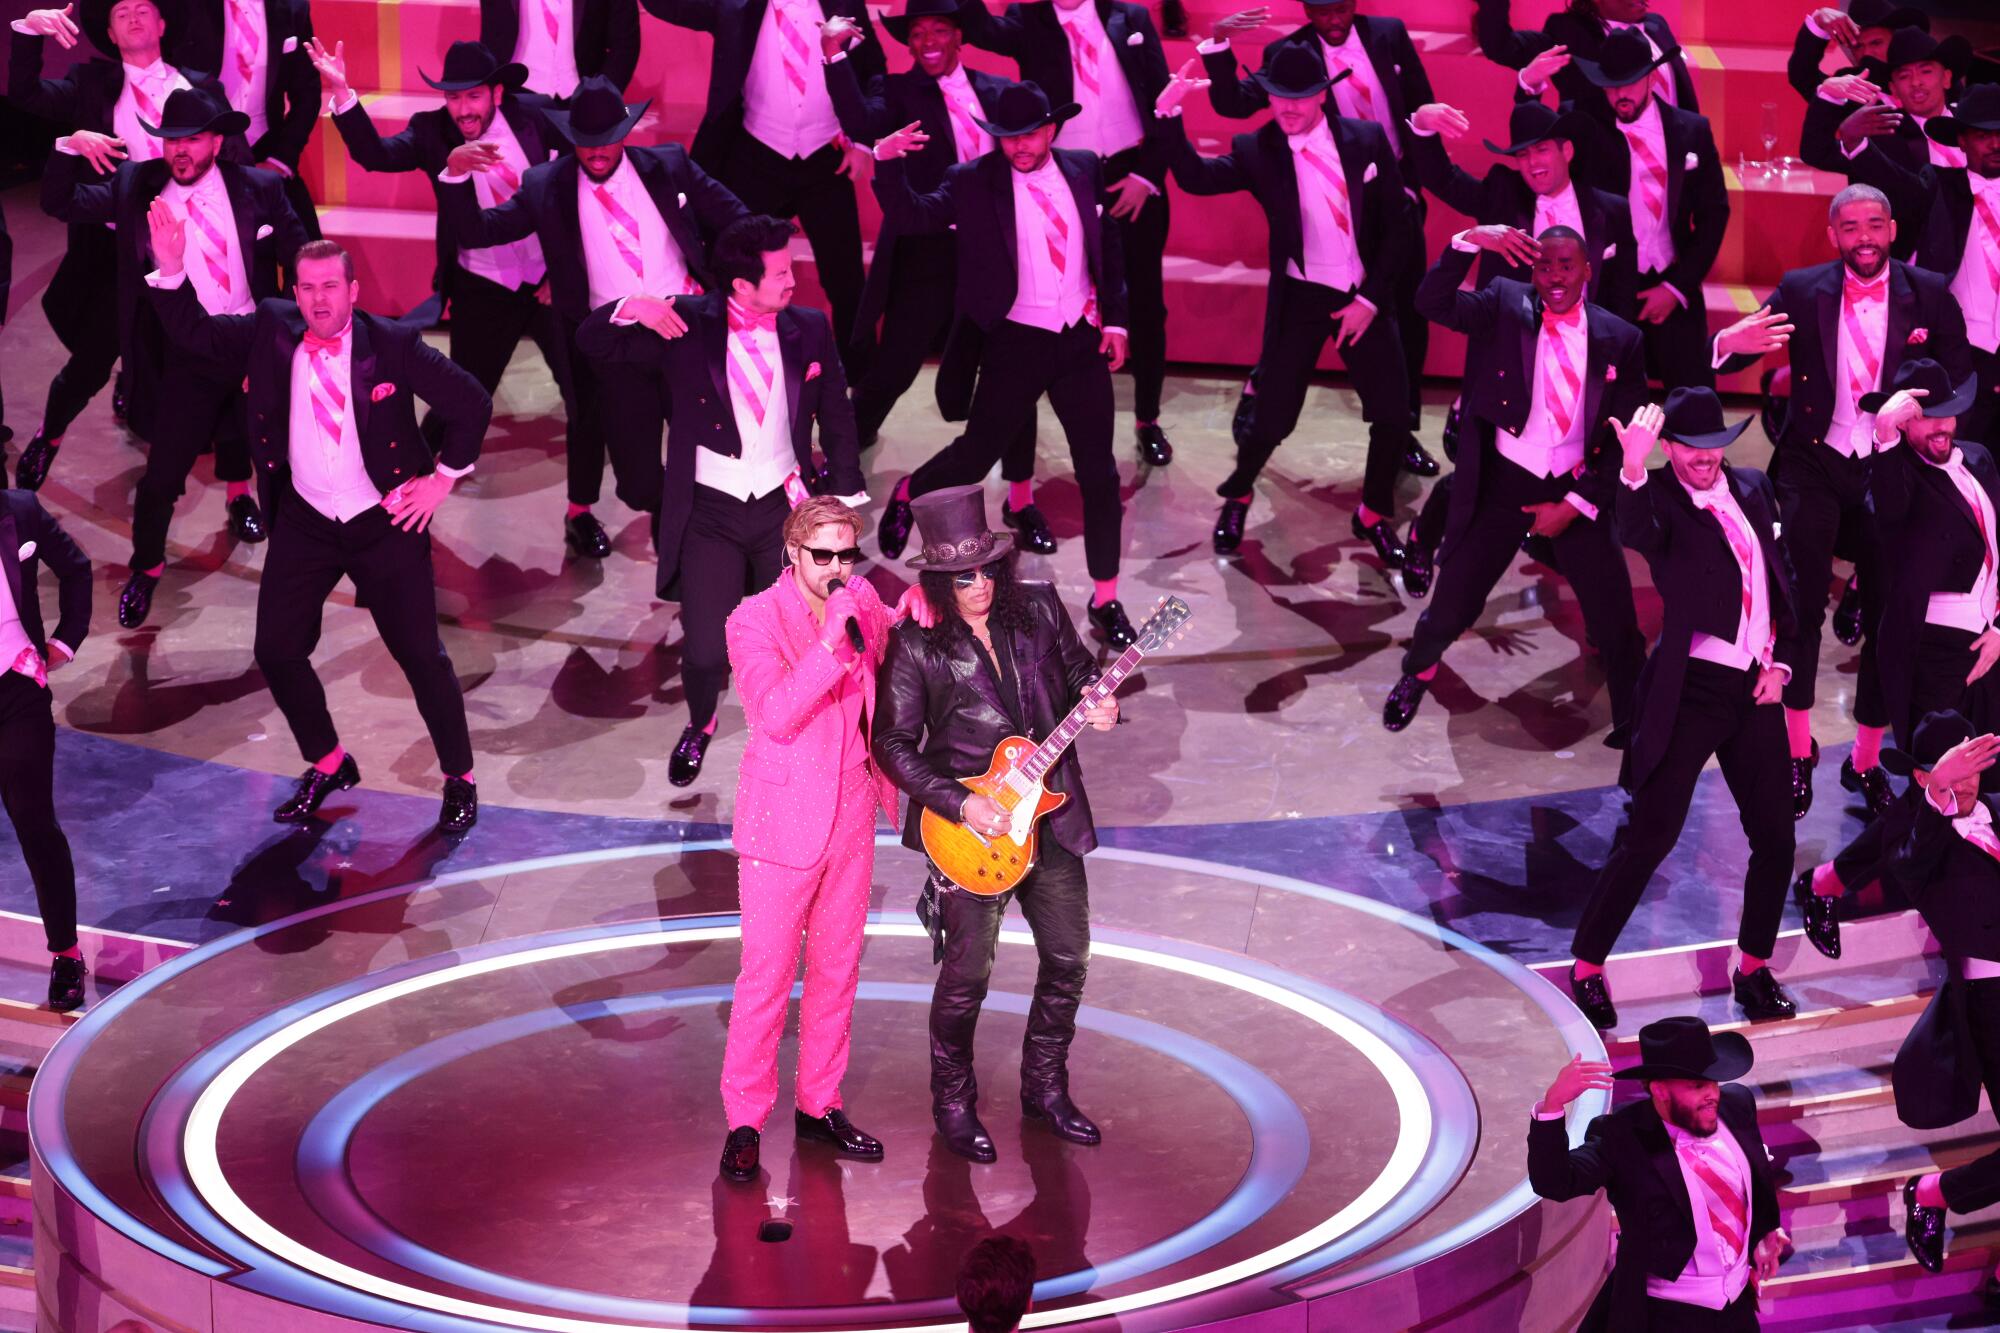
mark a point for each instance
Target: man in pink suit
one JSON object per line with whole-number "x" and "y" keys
{"x": 805, "y": 826}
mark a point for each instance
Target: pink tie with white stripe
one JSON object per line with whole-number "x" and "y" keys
{"x": 750, "y": 371}
{"x": 1723, "y": 1200}
{"x": 624, "y": 229}
{"x": 1332, "y": 187}
{"x": 1864, "y": 360}
{"x": 328, "y": 395}
{"x": 1083, "y": 55}
{"x": 797, "y": 50}
{"x": 1055, "y": 229}
{"x": 1650, "y": 178}
{"x": 208, "y": 239}
{"x": 247, "y": 44}
{"x": 1562, "y": 381}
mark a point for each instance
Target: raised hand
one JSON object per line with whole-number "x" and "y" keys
{"x": 332, "y": 66}
{"x": 1187, "y": 79}
{"x": 55, "y": 23}
{"x": 1573, "y": 1080}
{"x": 903, "y": 142}
{"x": 475, "y": 156}
{"x": 169, "y": 234}
{"x": 1868, "y": 122}
{"x": 103, "y": 151}
{"x": 1903, "y": 407}
{"x": 1754, "y": 335}
{"x": 1512, "y": 244}
{"x": 1243, "y": 20}
{"x": 1441, "y": 118}
{"x": 1636, "y": 439}
{"x": 1851, "y": 88}
{"x": 1536, "y": 75}
{"x": 1975, "y": 754}
{"x": 837, "y": 34}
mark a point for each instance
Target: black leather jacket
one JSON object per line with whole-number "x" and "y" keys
{"x": 939, "y": 713}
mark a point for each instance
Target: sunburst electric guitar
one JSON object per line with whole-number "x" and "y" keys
{"x": 1014, "y": 780}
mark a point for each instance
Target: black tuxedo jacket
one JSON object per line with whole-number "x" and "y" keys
{"x": 1032, "y": 37}
{"x": 386, "y": 358}
{"x": 735, "y": 24}
{"x": 1918, "y": 300}
{"x": 1504, "y": 44}
{"x": 1697, "y": 195}
{"x": 545, "y": 206}
{"x": 1502, "y": 322}
{"x": 1399, "y": 68}
{"x": 977, "y": 198}
{"x": 695, "y": 369}
{"x": 23, "y": 520}
{"x": 291, "y": 84}
{"x": 1502, "y": 198}
{"x": 1629, "y": 1155}
{"x": 1385, "y": 231}
{"x": 426, "y": 143}
{"x": 606, "y": 35}
{"x": 1934, "y": 204}
{"x": 1700, "y": 586}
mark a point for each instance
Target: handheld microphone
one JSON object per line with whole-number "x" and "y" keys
{"x": 853, "y": 628}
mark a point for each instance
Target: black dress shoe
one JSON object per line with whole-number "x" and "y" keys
{"x": 1229, "y": 526}
{"x": 1450, "y": 437}
{"x": 1989, "y": 1291}
{"x": 739, "y": 1153}
{"x": 1031, "y": 527}
{"x": 1402, "y": 702}
{"x": 1619, "y": 737}
{"x": 1111, "y": 622}
{"x": 246, "y": 520}
{"x": 1419, "y": 567}
{"x": 66, "y": 976}
{"x": 1822, "y": 915}
{"x": 1873, "y": 784}
{"x": 1154, "y": 448}
{"x": 835, "y": 1128}
{"x": 313, "y": 789}
{"x": 1761, "y": 997}
{"x": 33, "y": 469}
{"x": 1055, "y": 1107}
{"x": 135, "y": 601}
{"x": 963, "y": 1134}
{"x": 1593, "y": 996}
{"x": 897, "y": 520}
{"x": 583, "y": 534}
{"x": 1381, "y": 534}
{"x": 1418, "y": 462}
{"x": 1802, "y": 771}
{"x": 461, "y": 806}
{"x": 1923, "y": 1229}
{"x": 1847, "y": 616}
{"x": 685, "y": 766}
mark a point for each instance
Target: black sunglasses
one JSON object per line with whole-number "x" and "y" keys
{"x": 821, "y": 556}
{"x": 990, "y": 572}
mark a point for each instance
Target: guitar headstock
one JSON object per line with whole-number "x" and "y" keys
{"x": 1167, "y": 623}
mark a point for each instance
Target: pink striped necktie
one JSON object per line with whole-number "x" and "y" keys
{"x": 1650, "y": 181}
{"x": 624, "y": 230}
{"x": 1727, "y": 1216}
{"x": 1864, "y": 360}
{"x": 972, "y": 141}
{"x": 750, "y": 370}
{"x": 1353, "y": 89}
{"x": 503, "y": 180}
{"x": 1562, "y": 379}
{"x": 1969, "y": 488}
{"x": 247, "y": 44}
{"x": 208, "y": 239}
{"x": 328, "y": 395}
{"x": 1083, "y": 54}
{"x": 1739, "y": 546}
{"x": 148, "y": 108}
{"x": 797, "y": 51}
{"x": 1988, "y": 239}
{"x": 1332, "y": 187}
{"x": 1055, "y": 230}
{"x": 550, "y": 23}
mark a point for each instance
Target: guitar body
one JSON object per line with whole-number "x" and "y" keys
{"x": 990, "y": 866}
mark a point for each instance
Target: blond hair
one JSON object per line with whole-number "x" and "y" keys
{"x": 820, "y": 509}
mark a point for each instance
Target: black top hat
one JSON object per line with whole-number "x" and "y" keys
{"x": 1297, "y": 71}
{"x": 1887, "y": 14}
{"x": 1683, "y": 1047}
{"x": 1531, "y": 123}
{"x": 1694, "y": 418}
{"x": 952, "y": 523}
{"x": 1935, "y": 734}
{"x": 1941, "y": 398}
{"x": 190, "y": 111}
{"x": 1625, "y": 57}
{"x": 597, "y": 115}
{"x": 96, "y": 23}
{"x": 1909, "y": 45}
{"x": 1023, "y": 108}
{"x": 471, "y": 65}
{"x": 1979, "y": 109}
{"x": 899, "y": 24}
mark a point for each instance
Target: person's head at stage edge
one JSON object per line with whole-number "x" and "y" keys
{"x": 822, "y": 543}
{"x": 1027, "y": 152}
{"x": 934, "y": 44}
{"x": 1982, "y": 151}
{"x": 1861, "y": 227}
{"x": 1921, "y": 86}
{"x": 1298, "y": 115}
{"x": 996, "y": 1284}
{"x": 1628, "y": 100}
{"x": 597, "y": 122}
{"x": 1682, "y": 1065}
{"x": 473, "y": 83}
{"x": 1545, "y": 165}
{"x": 987, "y": 592}
{"x": 137, "y": 29}
{"x": 193, "y": 157}
{"x": 753, "y": 258}
{"x": 323, "y": 284}
{"x": 472, "y": 109}
{"x": 1689, "y": 1103}
{"x": 192, "y": 128}
{"x": 1561, "y": 274}
{"x": 1973, "y": 127}
{"x": 1331, "y": 21}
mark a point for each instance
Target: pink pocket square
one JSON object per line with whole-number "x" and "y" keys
{"x": 1611, "y": 374}
{"x": 812, "y": 371}
{"x": 1918, "y": 337}
{"x": 1135, "y": 39}
{"x": 26, "y": 553}
{"x": 380, "y": 392}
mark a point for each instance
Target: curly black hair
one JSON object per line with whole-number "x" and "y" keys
{"x": 1009, "y": 609}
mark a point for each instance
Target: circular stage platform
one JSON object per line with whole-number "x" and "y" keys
{"x": 488, "y": 1101}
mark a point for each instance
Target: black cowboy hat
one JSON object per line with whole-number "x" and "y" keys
{"x": 1942, "y": 399}
{"x": 1531, "y": 123}
{"x": 952, "y": 524}
{"x": 1887, "y": 14}
{"x": 899, "y": 24}
{"x": 471, "y": 65}
{"x": 1296, "y": 72}
{"x": 1023, "y": 108}
{"x": 597, "y": 115}
{"x": 1683, "y": 1047}
{"x": 1909, "y": 45}
{"x": 1979, "y": 109}
{"x": 1935, "y": 734}
{"x": 1694, "y": 418}
{"x": 1625, "y": 57}
{"x": 96, "y": 23}
{"x": 190, "y": 111}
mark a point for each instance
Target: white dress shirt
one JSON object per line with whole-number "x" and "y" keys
{"x": 1349, "y": 94}
{"x": 159, "y": 82}
{"x": 1851, "y": 432}
{"x": 1109, "y": 122}
{"x": 971, "y": 140}
{"x": 790, "y": 121}
{"x": 611, "y": 277}
{"x": 766, "y": 456}
{"x": 1655, "y": 238}
{"x": 1970, "y": 611}
{"x": 329, "y": 475}
{"x": 1976, "y": 827}
{"x": 247, "y": 91}
{"x": 212, "y": 198}
{"x": 518, "y": 263}
{"x": 1044, "y": 298}
{"x": 1752, "y": 644}
{"x": 1715, "y": 1274}
{"x": 1331, "y": 257}
{"x": 1561, "y": 209}
{"x": 551, "y": 59}
{"x": 1536, "y": 450}
{"x": 1975, "y": 287}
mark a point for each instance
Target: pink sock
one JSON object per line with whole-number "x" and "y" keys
{"x": 1369, "y": 518}
{"x": 1430, "y": 673}
{"x": 1750, "y": 965}
{"x": 1020, "y": 494}
{"x": 466, "y": 776}
{"x": 156, "y": 570}
{"x": 1930, "y": 1190}
{"x": 1583, "y": 969}
{"x": 1867, "y": 748}
{"x": 1143, "y": 424}
{"x": 903, "y": 489}
{"x": 74, "y": 951}
{"x": 1825, "y": 883}
{"x": 709, "y": 730}
{"x": 574, "y": 510}
{"x": 332, "y": 759}
{"x": 1798, "y": 731}
{"x": 1106, "y": 591}
{"x": 238, "y": 488}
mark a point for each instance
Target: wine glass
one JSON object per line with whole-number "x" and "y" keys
{"x": 1767, "y": 135}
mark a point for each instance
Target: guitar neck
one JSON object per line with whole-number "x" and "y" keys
{"x": 1049, "y": 751}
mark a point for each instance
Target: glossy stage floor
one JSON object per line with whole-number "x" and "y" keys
{"x": 375, "y": 1078}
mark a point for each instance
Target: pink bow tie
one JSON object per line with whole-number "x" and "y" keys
{"x": 741, "y": 320}
{"x": 331, "y": 346}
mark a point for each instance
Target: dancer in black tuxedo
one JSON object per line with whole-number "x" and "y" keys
{"x": 1863, "y": 31}
{"x": 1891, "y": 102}
{"x": 1580, "y": 30}
{"x": 564, "y": 42}
{"x": 257, "y": 49}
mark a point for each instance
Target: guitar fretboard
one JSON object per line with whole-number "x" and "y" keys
{"x": 1049, "y": 751}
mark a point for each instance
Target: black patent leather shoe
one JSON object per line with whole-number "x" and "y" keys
{"x": 135, "y": 600}
{"x": 66, "y": 976}
{"x": 1989, "y": 1291}
{"x": 1419, "y": 567}
{"x": 685, "y": 766}
{"x": 1112, "y": 622}
{"x": 1822, "y": 915}
{"x": 1761, "y": 997}
{"x": 313, "y": 789}
{"x": 835, "y": 1128}
{"x": 897, "y": 520}
{"x": 1381, "y": 534}
{"x": 963, "y": 1134}
{"x": 246, "y": 520}
{"x": 583, "y": 534}
{"x": 1417, "y": 461}
{"x": 1403, "y": 700}
{"x": 1450, "y": 437}
{"x": 1030, "y": 527}
{"x": 1923, "y": 1230}
{"x": 739, "y": 1153}
{"x": 1873, "y": 784}
{"x": 1229, "y": 523}
{"x": 1062, "y": 1116}
{"x": 36, "y": 459}
{"x": 1802, "y": 793}
{"x": 1154, "y": 448}
{"x": 1847, "y": 616}
{"x": 1593, "y": 997}
{"x": 461, "y": 806}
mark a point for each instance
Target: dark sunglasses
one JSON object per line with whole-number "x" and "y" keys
{"x": 821, "y": 556}
{"x": 964, "y": 578}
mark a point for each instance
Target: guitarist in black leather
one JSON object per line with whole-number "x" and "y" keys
{"x": 1003, "y": 660}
